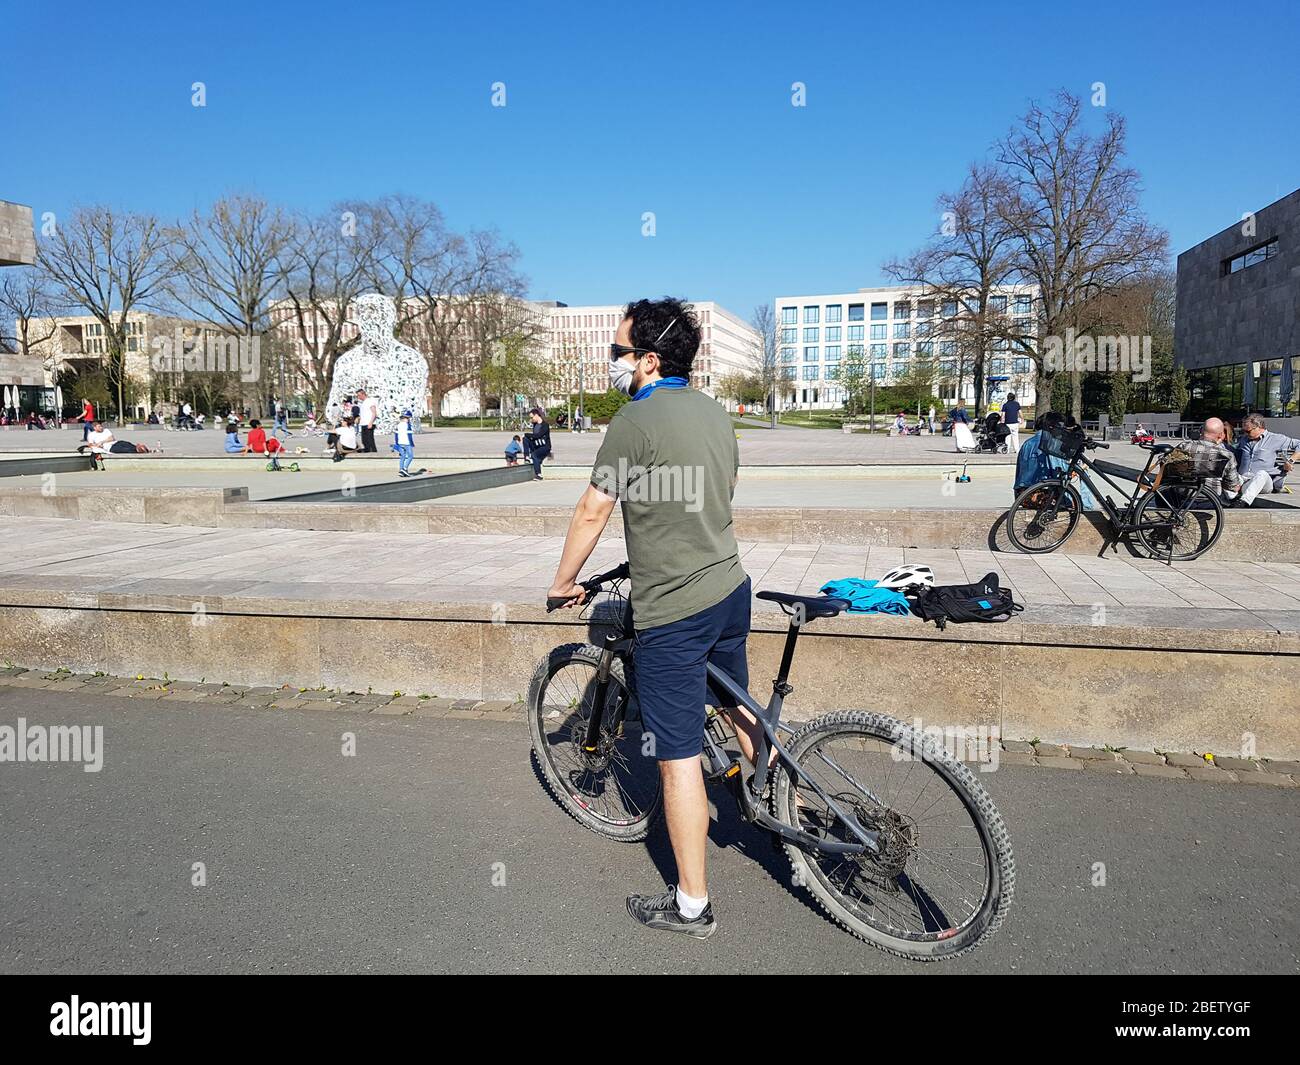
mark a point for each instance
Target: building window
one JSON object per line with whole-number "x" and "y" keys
{"x": 1019, "y": 365}
{"x": 833, "y": 353}
{"x": 789, "y": 315}
{"x": 879, "y": 312}
{"x": 809, "y": 354}
{"x": 811, "y": 373}
{"x": 810, "y": 335}
{"x": 834, "y": 312}
{"x": 999, "y": 367}
{"x": 855, "y": 349}
{"x": 998, "y": 304}
{"x": 902, "y": 351}
{"x": 787, "y": 354}
{"x": 880, "y": 332}
{"x": 902, "y": 309}
{"x": 949, "y": 309}
{"x": 947, "y": 367}
{"x": 925, "y": 349}
{"x": 925, "y": 309}
{"x": 878, "y": 371}
{"x": 832, "y": 373}
{"x": 811, "y": 315}
{"x": 947, "y": 347}
{"x": 789, "y": 336}
{"x": 1024, "y": 305}
{"x": 923, "y": 329}
{"x": 902, "y": 330}
{"x": 855, "y": 332}
{"x": 833, "y": 332}
{"x": 878, "y": 351}
{"x": 1250, "y": 258}
{"x": 855, "y": 312}
{"x": 787, "y": 372}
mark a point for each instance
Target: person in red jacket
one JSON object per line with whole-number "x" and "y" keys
{"x": 87, "y": 418}
{"x": 258, "y": 443}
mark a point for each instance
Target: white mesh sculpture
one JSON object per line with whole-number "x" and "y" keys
{"x": 395, "y": 375}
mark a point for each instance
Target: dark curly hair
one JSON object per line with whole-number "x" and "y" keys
{"x": 669, "y": 328}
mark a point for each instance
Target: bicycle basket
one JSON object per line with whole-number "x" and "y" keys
{"x": 1064, "y": 444}
{"x": 1192, "y": 464}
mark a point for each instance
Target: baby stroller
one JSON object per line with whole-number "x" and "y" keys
{"x": 991, "y": 435}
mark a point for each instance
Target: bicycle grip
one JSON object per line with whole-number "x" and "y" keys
{"x": 555, "y": 602}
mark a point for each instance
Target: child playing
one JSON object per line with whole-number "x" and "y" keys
{"x": 513, "y": 450}
{"x": 404, "y": 444}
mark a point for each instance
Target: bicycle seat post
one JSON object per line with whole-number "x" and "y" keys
{"x": 780, "y": 687}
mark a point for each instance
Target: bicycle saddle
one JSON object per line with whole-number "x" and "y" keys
{"x": 814, "y": 606}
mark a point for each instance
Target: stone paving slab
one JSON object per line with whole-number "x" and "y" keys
{"x": 1184, "y": 766}
{"x": 51, "y": 561}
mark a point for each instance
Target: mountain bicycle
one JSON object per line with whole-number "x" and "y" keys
{"x": 1173, "y": 516}
{"x": 890, "y": 833}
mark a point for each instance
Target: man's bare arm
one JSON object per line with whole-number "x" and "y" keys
{"x": 590, "y": 517}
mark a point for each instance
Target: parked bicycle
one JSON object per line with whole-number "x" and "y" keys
{"x": 1171, "y": 514}
{"x": 892, "y": 835}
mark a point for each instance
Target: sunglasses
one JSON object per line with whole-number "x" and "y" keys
{"x": 617, "y": 351}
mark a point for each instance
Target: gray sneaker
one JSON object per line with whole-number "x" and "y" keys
{"x": 661, "y": 912}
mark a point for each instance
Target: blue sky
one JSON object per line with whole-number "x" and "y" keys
{"x": 618, "y": 109}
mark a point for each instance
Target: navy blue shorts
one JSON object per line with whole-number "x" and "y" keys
{"x": 671, "y": 678}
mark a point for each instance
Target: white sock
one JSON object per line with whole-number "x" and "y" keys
{"x": 690, "y": 908}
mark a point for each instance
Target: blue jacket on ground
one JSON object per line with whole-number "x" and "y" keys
{"x": 865, "y": 598}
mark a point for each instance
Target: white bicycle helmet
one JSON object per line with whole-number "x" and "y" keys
{"x": 908, "y": 576}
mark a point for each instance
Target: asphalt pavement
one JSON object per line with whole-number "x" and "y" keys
{"x": 436, "y": 848}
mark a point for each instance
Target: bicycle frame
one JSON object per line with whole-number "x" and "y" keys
{"x": 751, "y": 808}
{"x": 1122, "y": 522}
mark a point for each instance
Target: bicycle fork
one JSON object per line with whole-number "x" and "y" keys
{"x": 591, "y": 743}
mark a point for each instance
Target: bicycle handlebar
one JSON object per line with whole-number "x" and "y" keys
{"x": 1096, "y": 443}
{"x": 591, "y": 586}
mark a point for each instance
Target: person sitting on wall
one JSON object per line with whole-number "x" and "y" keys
{"x": 1264, "y": 459}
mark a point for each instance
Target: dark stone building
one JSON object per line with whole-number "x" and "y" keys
{"x": 1238, "y": 321}
{"x": 17, "y": 239}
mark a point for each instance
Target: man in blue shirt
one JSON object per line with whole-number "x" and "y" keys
{"x": 1263, "y": 459}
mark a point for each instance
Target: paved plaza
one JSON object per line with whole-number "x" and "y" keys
{"x": 355, "y": 568}
{"x": 764, "y": 447}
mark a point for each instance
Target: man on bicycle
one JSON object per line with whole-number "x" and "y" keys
{"x": 670, "y": 457}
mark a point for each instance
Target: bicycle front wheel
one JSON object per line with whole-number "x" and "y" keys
{"x": 614, "y": 790}
{"x": 1043, "y": 516}
{"x": 1187, "y": 520}
{"x": 943, "y": 875}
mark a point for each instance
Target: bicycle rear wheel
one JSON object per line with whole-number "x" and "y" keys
{"x": 1043, "y": 516}
{"x": 615, "y": 790}
{"x": 944, "y": 876}
{"x": 1191, "y": 519}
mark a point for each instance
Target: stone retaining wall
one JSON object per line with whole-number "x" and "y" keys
{"x": 1140, "y": 687}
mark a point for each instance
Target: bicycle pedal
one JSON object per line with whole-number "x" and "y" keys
{"x": 727, "y": 774}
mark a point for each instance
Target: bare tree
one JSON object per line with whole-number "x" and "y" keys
{"x": 763, "y": 356}
{"x": 970, "y": 258}
{"x": 226, "y": 266}
{"x": 29, "y": 299}
{"x": 1073, "y": 209}
{"x": 109, "y": 263}
{"x": 458, "y": 296}
{"x": 324, "y": 262}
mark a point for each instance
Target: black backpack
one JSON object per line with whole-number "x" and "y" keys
{"x": 984, "y": 600}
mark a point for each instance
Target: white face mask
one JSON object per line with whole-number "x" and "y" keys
{"x": 620, "y": 376}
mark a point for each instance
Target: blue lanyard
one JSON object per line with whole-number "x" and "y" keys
{"x": 663, "y": 382}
